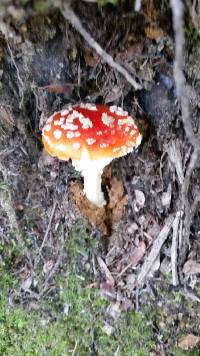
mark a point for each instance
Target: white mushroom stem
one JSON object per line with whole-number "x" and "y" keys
{"x": 92, "y": 171}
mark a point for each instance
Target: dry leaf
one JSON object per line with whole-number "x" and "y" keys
{"x": 107, "y": 290}
{"x": 108, "y": 329}
{"x": 114, "y": 94}
{"x": 91, "y": 58}
{"x": 188, "y": 342}
{"x": 132, "y": 228}
{"x": 114, "y": 310}
{"x": 153, "y": 33}
{"x": 130, "y": 52}
{"x": 59, "y": 88}
{"x": 47, "y": 266}
{"x": 26, "y": 284}
{"x": 139, "y": 200}
{"x": 138, "y": 253}
{"x": 6, "y": 116}
{"x": 191, "y": 267}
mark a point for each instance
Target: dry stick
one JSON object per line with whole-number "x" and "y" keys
{"x": 159, "y": 241}
{"x": 189, "y": 171}
{"x": 21, "y": 84}
{"x": 178, "y": 24}
{"x": 137, "y": 5}
{"x": 73, "y": 19}
{"x": 174, "y": 248}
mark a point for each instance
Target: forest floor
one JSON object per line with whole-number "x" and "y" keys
{"x": 74, "y": 279}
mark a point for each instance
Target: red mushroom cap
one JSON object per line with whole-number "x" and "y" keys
{"x": 105, "y": 132}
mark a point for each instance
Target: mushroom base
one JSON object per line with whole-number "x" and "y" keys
{"x": 92, "y": 171}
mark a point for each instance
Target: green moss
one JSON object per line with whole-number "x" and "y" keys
{"x": 74, "y": 316}
{"x": 191, "y": 34}
{"x": 42, "y": 6}
{"x": 31, "y": 334}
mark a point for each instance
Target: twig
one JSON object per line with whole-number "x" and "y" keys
{"x": 21, "y": 84}
{"x": 188, "y": 173}
{"x": 178, "y": 24}
{"x": 174, "y": 248}
{"x": 124, "y": 270}
{"x": 159, "y": 241}
{"x": 48, "y": 227}
{"x": 73, "y": 19}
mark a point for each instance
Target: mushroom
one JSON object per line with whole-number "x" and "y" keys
{"x": 92, "y": 136}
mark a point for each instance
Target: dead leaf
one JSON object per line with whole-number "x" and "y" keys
{"x": 59, "y": 88}
{"x": 107, "y": 290}
{"x": 153, "y": 230}
{"x": 48, "y": 266}
{"x": 114, "y": 94}
{"x": 91, "y": 58}
{"x": 131, "y": 281}
{"x": 26, "y": 283}
{"x": 153, "y": 33}
{"x": 108, "y": 329}
{"x": 188, "y": 342}
{"x": 105, "y": 270}
{"x": 18, "y": 14}
{"x": 138, "y": 253}
{"x": 130, "y": 52}
{"x": 139, "y": 200}
{"x": 127, "y": 305}
{"x": 114, "y": 310}
{"x": 132, "y": 228}
{"x": 191, "y": 267}
{"x": 6, "y": 116}
{"x": 116, "y": 192}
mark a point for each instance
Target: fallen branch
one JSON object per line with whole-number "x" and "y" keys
{"x": 73, "y": 19}
{"x": 178, "y": 24}
{"x": 157, "y": 245}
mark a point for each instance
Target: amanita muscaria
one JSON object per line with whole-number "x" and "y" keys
{"x": 92, "y": 136}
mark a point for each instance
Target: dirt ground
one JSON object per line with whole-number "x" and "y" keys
{"x": 149, "y": 233}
